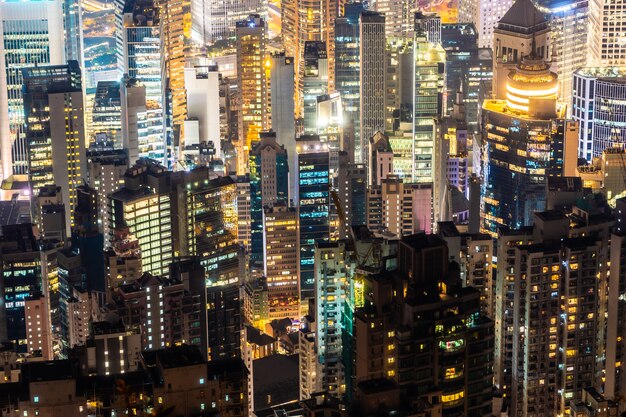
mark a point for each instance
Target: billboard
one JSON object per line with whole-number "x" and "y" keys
{"x": 447, "y": 9}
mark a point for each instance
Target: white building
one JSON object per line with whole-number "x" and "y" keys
{"x": 598, "y": 106}
{"x": 203, "y": 106}
{"x": 38, "y": 28}
{"x": 484, "y": 14}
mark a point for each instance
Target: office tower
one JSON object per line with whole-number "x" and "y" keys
{"x": 207, "y": 224}
{"x": 144, "y": 63}
{"x": 399, "y": 208}
{"x": 106, "y": 175}
{"x": 398, "y": 16}
{"x": 570, "y": 33}
{"x": 372, "y": 80}
{"x": 73, "y": 25}
{"x": 484, "y": 14}
{"x": 137, "y": 119}
{"x": 283, "y": 120}
{"x": 55, "y": 134}
{"x": 527, "y": 127}
{"x": 308, "y": 20}
{"x": 597, "y": 107}
{"x": 176, "y": 36}
{"x": 399, "y": 82}
{"x": 255, "y": 308}
{"x": 252, "y": 80}
{"x": 347, "y": 64}
{"x": 332, "y": 273}
{"x": 38, "y": 28}
{"x": 314, "y": 82}
{"x": 430, "y": 25}
{"x": 244, "y": 216}
{"x": 269, "y": 175}
{"x": 203, "y": 108}
{"x": 212, "y": 21}
{"x": 606, "y": 23}
{"x": 144, "y": 208}
{"x": 429, "y": 82}
{"x": 452, "y": 340}
{"x": 469, "y": 69}
{"x": 521, "y": 31}
{"x": 282, "y": 261}
{"x": 106, "y": 122}
{"x": 314, "y": 206}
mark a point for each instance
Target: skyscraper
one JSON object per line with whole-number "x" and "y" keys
{"x": 314, "y": 205}
{"x": 36, "y": 27}
{"x": 571, "y": 40}
{"x": 428, "y": 103}
{"x": 528, "y": 140}
{"x": 308, "y": 20}
{"x": 252, "y": 79}
{"x": 55, "y": 132}
{"x": 143, "y": 207}
{"x": 269, "y": 175}
{"x": 347, "y": 64}
{"x": 282, "y": 87}
{"x": 143, "y": 61}
{"x": 598, "y": 106}
{"x": 314, "y": 82}
{"x": 484, "y": 14}
{"x": 213, "y": 20}
{"x": 282, "y": 261}
{"x": 106, "y": 124}
{"x": 372, "y": 80}
{"x": 202, "y": 86}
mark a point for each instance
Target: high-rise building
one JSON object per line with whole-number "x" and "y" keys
{"x": 527, "y": 127}
{"x": 144, "y": 208}
{"x": 571, "y": 40}
{"x": 308, "y": 20}
{"x": 521, "y": 31}
{"x": 333, "y": 272}
{"x": 252, "y": 78}
{"x": 106, "y": 175}
{"x": 347, "y": 64}
{"x": 144, "y": 63}
{"x": 598, "y": 108}
{"x": 399, "y": 208}
{"x": 372, "y": 80}
{"x": 55, "y": 133}
{"x": 269, "y": 174}
{"x": 469, "y": 69}
{"x": 26, "y": 271}
{"x": 176, "y": 36}
{"x": 314, "y": 206}
{"x": 609, "y": 16}
{"x": 484, "y": 14}
{"x": 452, "y": 340}
{"x": 106, "y": 117}
{"x": 314, "y": 82}
{"x": 203, "y": 108}
{"x": 36, "y": 27}
{"x": 282, "y": 89}
{"x": 428, "y": 104}
{"x": 398, "y": 16}
{"x": 282, "y": 261}
{"x": 428, "y": 24}
{"x": 212, "y": 20}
